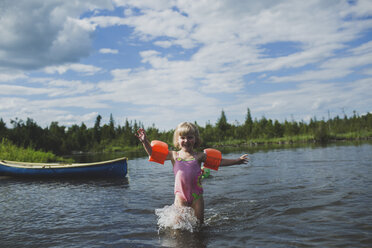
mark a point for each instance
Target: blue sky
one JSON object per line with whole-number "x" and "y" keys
{"x": 164, "y": 62}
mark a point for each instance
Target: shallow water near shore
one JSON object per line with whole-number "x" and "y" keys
{"x": 292, "y": 197}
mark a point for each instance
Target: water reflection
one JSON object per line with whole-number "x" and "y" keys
{"x": 7, "y": 181}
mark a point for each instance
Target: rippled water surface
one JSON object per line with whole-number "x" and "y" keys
{"x": 299, "y": 197}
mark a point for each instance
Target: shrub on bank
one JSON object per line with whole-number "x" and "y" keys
{"x": 8, "y": 151}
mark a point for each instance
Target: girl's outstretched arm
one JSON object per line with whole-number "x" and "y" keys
{"x": 141, "y": 135}
{"x": 241, "y": 160}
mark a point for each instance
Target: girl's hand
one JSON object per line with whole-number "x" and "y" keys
{"x": 141, "y": 134}
{"x": 243, "y": 159}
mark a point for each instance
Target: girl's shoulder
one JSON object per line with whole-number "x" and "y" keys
{"x": 200, "y": 156}
{"x": 174, "y": 155}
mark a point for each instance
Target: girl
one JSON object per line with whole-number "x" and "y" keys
{"x": 187, "y": 166}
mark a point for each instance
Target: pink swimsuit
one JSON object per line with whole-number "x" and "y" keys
{"x": 188, "y": 176}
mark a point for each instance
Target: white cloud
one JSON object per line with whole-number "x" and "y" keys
{"x": 10, "y": 105}
{"x": 80, "y": 68}
{"x": 70, "y": 119}
{"x": 11, "y": 76}
{"x": 311, "y": 98}
{"x": 68, "y": 88}
{"x": 228, "y": 34}
{"x": 312, "y": 75}
{"x": 163, "y": 43}
{"x": 362, "y": 49}
{"x": 146, "y": 4}
{"x": 21, "y": 90}
{"x": 156, "y": 88}
{"x": 108, "y": 50}
{"x": 39, "y": 33}
{"x": 367, "y": 71}
{"x": 348, "y": 62}
{"x": 363, "y": 8}
{"x": 335, "y": 66}
{"x": 45, "y": 114}
{"x": 52, "y": 88}
{"x": 106, "y": 21}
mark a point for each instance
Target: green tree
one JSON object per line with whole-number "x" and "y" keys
{"x": 97, "y": 129}
{"x": 321, "y": 133}
{"x": 261, "y": 126}
{"x": 56, "y": 138}
{"x": 248, "y": 124}
{"x": 61, "y": 140}
{"x": 111, "y": 127}
{"x": 3, "y": 129}
{"x": 222, "y": 125}
{"x": 208, "y": 134}
{"x": 278, "y": 129}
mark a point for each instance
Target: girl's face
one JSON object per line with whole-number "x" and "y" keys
{"x": 186, "y": 142}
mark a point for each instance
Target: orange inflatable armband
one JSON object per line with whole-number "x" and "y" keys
{"x": 159, "y": 151}
{"x": 213, "y": 159}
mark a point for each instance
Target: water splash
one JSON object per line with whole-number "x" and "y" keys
{"x": 177, "y": 218}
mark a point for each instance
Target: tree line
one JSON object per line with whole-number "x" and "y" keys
{"x": 62, "y": 140}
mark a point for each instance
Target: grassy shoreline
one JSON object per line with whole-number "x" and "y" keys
{"x": 11, "y": 152}
{"x": 299, "y": 139}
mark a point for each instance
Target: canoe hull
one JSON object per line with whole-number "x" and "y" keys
{"x": 113, "y": 168}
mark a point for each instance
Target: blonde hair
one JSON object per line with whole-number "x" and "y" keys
{"x": 184, "y": 129}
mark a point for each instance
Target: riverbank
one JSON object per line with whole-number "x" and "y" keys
{"x": 11, "y": 152}
{"x": 299, "y": 139}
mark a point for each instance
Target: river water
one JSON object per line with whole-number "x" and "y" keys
{"x": 292, "y": 197}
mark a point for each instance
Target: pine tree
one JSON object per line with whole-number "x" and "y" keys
{"x": 248, "y": 124}
{"x": 222, "y": 125}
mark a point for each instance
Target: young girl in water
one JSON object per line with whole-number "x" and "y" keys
{"x": 187, "y": 166}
